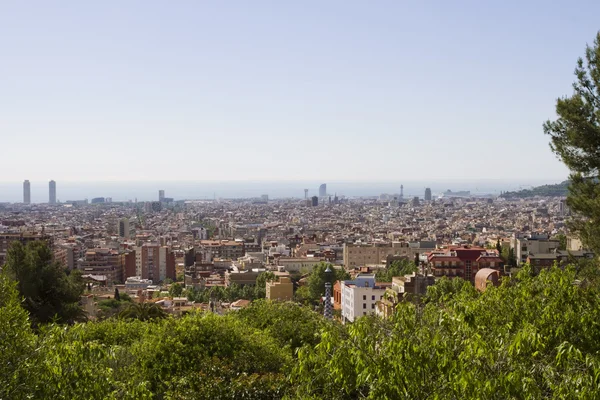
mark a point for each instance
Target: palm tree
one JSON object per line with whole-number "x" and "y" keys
{"x": 143, "y": 312}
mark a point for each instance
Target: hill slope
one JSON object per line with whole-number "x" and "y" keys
{"x": 559, "y": 189}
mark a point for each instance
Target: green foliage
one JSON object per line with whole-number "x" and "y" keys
{"x": 112, "y": 307}
{"x": 532, "y": 337}
{"x": 535, "y": 336}
{"x": 574, "y": 139}
{"x": 176, "y": 290}
{"x": 17, "y": 342}
{"x": 559, "y": 189}
{"x": 49, "y": 294}
{"x": 447, "y": 289}
{"x": 290, "y": 324}
{"x": 318, "y": 277}
{"x": 508, "y": 255}
{"x": 232, "y": 292}
{"x": 302, "y": 295}
{"x": 397, "y": 268}
{"x": 143, "y": 312}
{"x": 562, "y": 239}
{"x": 206, "y": 353}
{"x": 260, "y": 291}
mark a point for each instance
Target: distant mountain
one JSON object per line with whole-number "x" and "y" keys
{"x": 559, "y": 189}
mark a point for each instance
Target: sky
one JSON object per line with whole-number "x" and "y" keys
{"x": 283, "y": 90}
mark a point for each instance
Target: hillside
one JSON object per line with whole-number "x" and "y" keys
{"x": 559, "y": 189}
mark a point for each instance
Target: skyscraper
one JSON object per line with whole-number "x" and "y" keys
{"x": 26, "y": 192}
{"x": 52, "y": 192}
{"x": 401, "y": 192}
{"x": 427, "y": 194}
{"x": 161, "y": 195}
{"x": 124, "y": 228}
{"x": 315, "y": 201}
{"x": 323, "y": 190}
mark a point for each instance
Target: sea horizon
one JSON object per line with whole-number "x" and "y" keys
{"x": 12, "y": 192}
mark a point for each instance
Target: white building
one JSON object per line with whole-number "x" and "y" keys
{"x": 532, "y": 244}
{"x": 359, "y": 297}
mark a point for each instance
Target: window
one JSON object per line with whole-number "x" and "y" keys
{"x": 364, "y": 305}
{"x": 373, "y": 306}
{"x": 364, "y": 297}
{"x": 373, "y": 298}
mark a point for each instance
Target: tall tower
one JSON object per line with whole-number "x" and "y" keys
{"x": 124, "y": 228}
{"x": 161, "y": 195}
{"x": 401, "y": 192}
{"x": 52, "y": 192}
{"x": 428, "y": 194}
{"x": 26, "y": 192}
{"x": 327, "y": 312}
{"x": 305, "y": 194}
{"x": 323, "y": 190}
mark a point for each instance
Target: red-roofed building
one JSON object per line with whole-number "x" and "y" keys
{"x": 463, "y": 261}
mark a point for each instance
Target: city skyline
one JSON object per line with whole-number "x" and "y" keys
{"x": 404, "y": 87}
{"x": 39, "y": 193}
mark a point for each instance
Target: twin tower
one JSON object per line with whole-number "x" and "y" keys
{"x": 51, "y": 192}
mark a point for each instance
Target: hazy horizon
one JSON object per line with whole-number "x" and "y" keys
{"x": 264, "y": 90}
{"x": 179, "y": 190}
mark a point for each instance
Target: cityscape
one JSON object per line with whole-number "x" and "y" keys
{"x": 139, "y": 247}
{"x": 282, "y": 200}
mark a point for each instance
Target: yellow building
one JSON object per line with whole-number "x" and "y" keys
{"x": 282, "y": 290}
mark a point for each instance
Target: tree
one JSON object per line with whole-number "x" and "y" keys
{"x": 465, "y": 345}
{"x": 17, "y": 342}
{"x": 175, "y": 290}
{"x": 260, "y": 291}
{"x": 562, "y": 241}
{"x": 508, "y": 255}
{"x": 575, "y": 139}
{"x": 49, "y": 294}
{"x": 397, "y": 268}
{"x": 143, "y": 312}
{"x": 499, "y": 247}
{"x": 318, "y": 277}
{"x": 117, "y": 295}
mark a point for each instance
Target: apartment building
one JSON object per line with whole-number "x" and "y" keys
{"x": 130, "y": 264}
{"x": 463, "y": 261}
{"x": 155, "y": 262}
{"x": 282, "y": 290}
{"x": 357, "y": 255}
{"x": 103, "y": 262}
{"x": 360, "y": 296}
{"x": 229, "y": 249}
{"x": 525, "y": 246}
{"x": 296, "y": 264}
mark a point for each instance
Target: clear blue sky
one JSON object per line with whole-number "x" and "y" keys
{"x": 282, "y": 90}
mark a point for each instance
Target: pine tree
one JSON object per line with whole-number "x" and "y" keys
{"x": 575, "y": 138}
